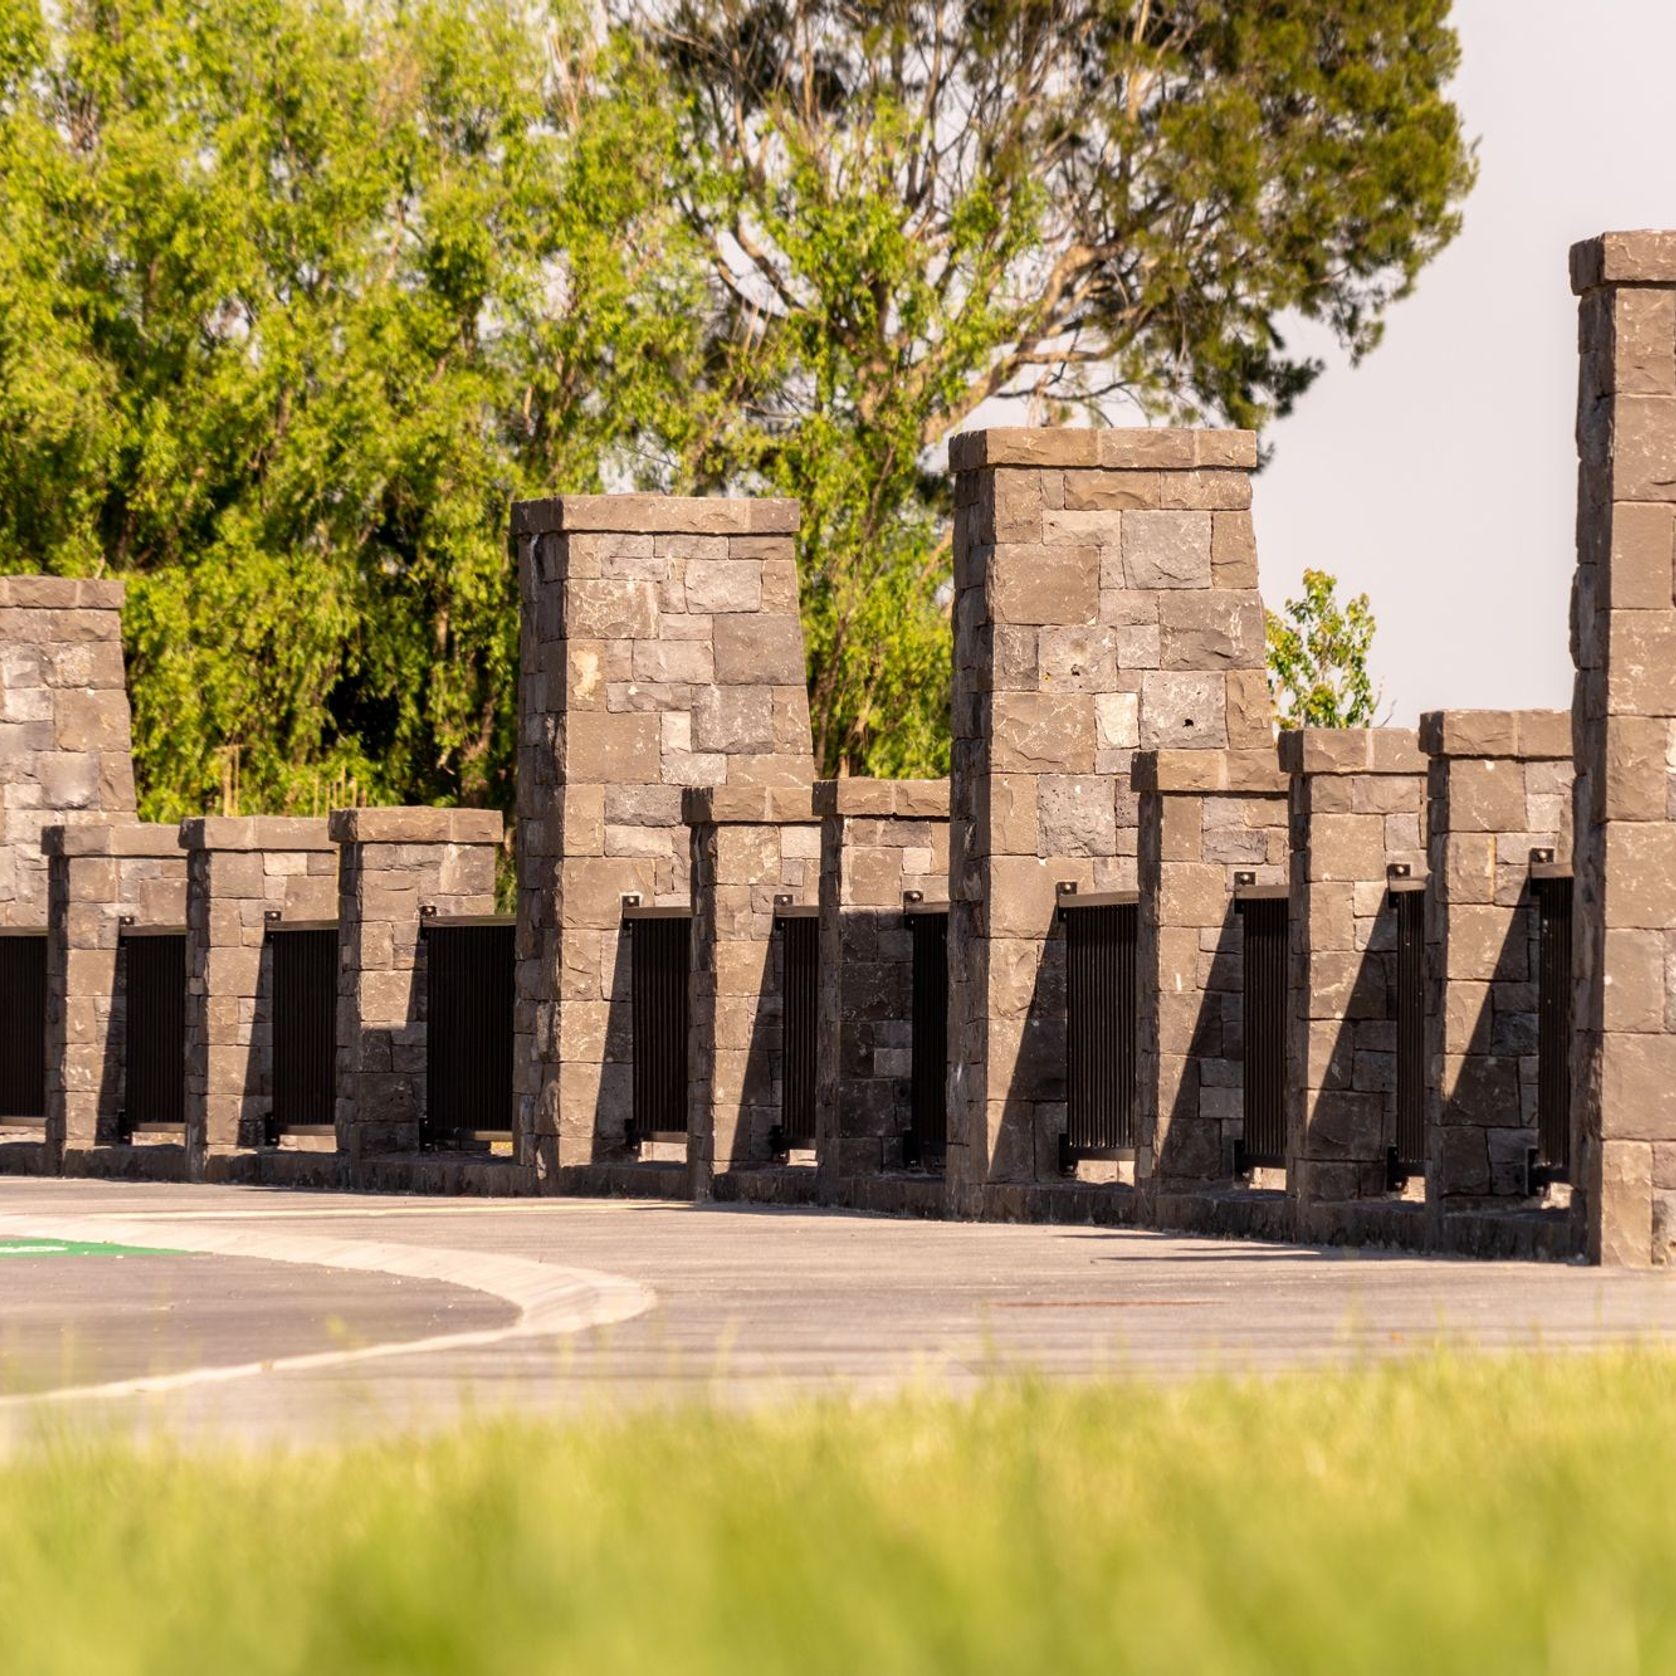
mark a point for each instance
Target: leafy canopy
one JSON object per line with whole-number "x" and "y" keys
{"x": 296, "y": 296}
{"x": 1318, "y": 658}
{"x": 915, "y": 207}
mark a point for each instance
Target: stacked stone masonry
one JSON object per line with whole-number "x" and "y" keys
{"x": 1210, "y": 822}
{"x": 64, "y": 725}
{"x": 1358, "y": 823}
{"x": 1106, "y": 601}
{"x": 99, "y": 876}
{"x": 239, "y": 873}
{"x": 751, "y": 848}
{"x": 661, "y": 651}
{"x": 880, "y": 841}
{"x": 1624, "y": 716}
{"x": 1499, "y": 798}
{"x": 393, "y": 864}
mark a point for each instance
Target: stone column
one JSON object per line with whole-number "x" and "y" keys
{"x": 880, "y": 839}
{"x": 1499, "y": 787}
{"x": 394, "y": 862}
{"x": 661, "y": 650}
{"x": 749, "y": 846}
{"x": 98, "y": 875}
{"x": 1624, "y": 717}
{"x": 237, "y": 872}
{"x": 1207, "y": 819}
{"x": 1106, "y": 600}
{"x": 1358, "y": 812}
{"x": 64, "y": 727}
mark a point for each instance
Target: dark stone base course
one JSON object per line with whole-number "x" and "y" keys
{"x": 1266, "y": 1215}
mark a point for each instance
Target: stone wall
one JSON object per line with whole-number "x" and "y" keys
{"x": 1499, "y": 788}
{"x": 1208, "y": 821}
{"x": 99, "y": 874}
{"x": 393, "y": 863}
{"x": 1358, "y": 812}
{"x": 1624, "y": 710}
{"x": 65, "y": 753}
{"x": 1106, "y": 600}
{"x": 661, "y": 650}
{"x": 880, "y": 839}
{"x": 749, "y": 846}
{"x": 238, "y": 872}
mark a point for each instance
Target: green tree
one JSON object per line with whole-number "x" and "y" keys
{"x": 295, "y": 296}
{"x": 912, "y": 207}
{"x": 1318, "y": 658}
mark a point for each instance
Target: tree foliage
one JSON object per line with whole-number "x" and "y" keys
{"x": 296, "y": 295}
{"x": 1318, "y": 658}
{"x": 915, "y": 206}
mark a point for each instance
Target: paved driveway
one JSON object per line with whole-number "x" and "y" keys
{"x": 299, "y": 1314}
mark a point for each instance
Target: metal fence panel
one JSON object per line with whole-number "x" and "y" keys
{"x": 1553, "y": 1003}
{"x": 1410, "y": 909}
{"x": 799, "y": 1026}
{"x": 154, "y": 1031}
{"x": 469, "y": 979}
{"x": 1100, "y": 1026}
{"x": 929, "y": 1072}
{"x": 660, "y": 952}
{"x": 1264, "y": 973}
{"x": 23, "y": 1025}
{"x": 305, "y": 981}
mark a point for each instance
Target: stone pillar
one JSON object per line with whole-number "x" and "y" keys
{"x": 98, "y": 875}
{"x": 661, "y": 650}
{"x": 1499, "y": 787}
{"x": 237, "y": 872}
{"x": 1358, "y": 812}
{"x": 1207, "y": 818}
{"x": 1106, "y": 600}
{"x": 749, "y": 846}
{"x": 64, "y": 727}
{"x": 1624, "y": 717}
{"x": 393, "y": 863}
{"x": 880, "y": 839}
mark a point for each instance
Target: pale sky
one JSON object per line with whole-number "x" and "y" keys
{"x": 1440, "y": 475}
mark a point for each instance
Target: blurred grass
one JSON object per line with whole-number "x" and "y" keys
{"x": 1441, "y": 1515}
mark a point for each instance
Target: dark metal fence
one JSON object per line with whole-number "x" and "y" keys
{"x": 660, "y": 947}
{"x": 1408, "y": 1153}
{"x": 23, "y": 1025}
{"x": 469, "y": 980}
{"x": 926, "y": 1141}
{"x": 305, "y": 996}
{"x": 800, "y": 931}
{"x": 1553, "y": 1004}
{"x": 1264, "y": 974}
{"x": 154, "y": 1031}
{"x": 1100, "y": 935}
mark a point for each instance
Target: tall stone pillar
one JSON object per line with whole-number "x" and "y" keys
{"x": 1358, "y": 813}
{"x": 661, "y": 651}
{"x": 99, "y": 876}
{"x": 880, "y": 840}
{"x": 238, "y": 871}
{"x": 393, "y": 863}
{"x": 1106, "y": 600}
{"x": 1499, "y": 790}
{"x": 65, "y": 752}
{"x": 751, "y": 847}
{"x": 1624, "y": 718}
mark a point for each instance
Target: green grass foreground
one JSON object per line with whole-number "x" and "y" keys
{"x": 1441, "y": 1515}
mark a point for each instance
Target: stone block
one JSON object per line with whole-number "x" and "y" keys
{"x": 1076, "y": 815}
{"x": 1210, "y": 629}
{"x": 1039, "y": 584}
{"x": 1167, "y": 550}
{"x": 724, "y": 585}
{"x": 753, "y": 650}
{"x": 1077, "y": 659}
{"x": 1486, "y": 796}
{"x": 1042, "y": 733}
{"x": 1183, "y": 710}
{"x": 1643, "y": 552}
{"x": 1640, "y": 875}
{"x": 600, "y": 746}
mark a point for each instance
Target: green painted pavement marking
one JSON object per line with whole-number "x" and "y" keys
{"x": 16, "y": 1246}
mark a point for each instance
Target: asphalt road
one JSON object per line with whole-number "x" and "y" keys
{"x": 266, "y": 1313}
